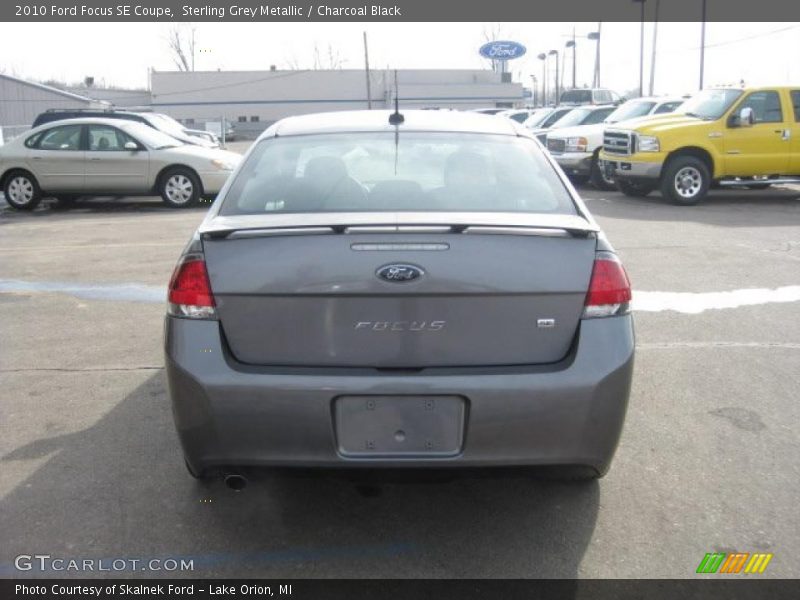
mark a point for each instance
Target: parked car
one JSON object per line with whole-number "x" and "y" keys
{"x": 94, "y": 157}
{"x": 161, "y": 122}
{"x": 375, "y": 291}
{"x": 574, "y": 116}
{"x": 520, "y": 115}
{"x": 545, "y": 118}
{"x": 580, "y": 96}
{"x": 576, "y": 149}
{"x": 488, "y": 111}
{"x": 727, "y": 137}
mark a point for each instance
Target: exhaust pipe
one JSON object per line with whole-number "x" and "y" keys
{"x": 235, "y": 481}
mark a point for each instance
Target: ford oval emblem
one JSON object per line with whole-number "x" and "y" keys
{"x": 399, "y": 273}
{"x": 502, "y": 50}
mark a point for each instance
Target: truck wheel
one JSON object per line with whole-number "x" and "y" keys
{"x": 685, "y": 180}
{"x": 180, "y": 187}
{"x": 599, "y": 179}
{"x": 634, "y": 189}
{"x": 22, "y": 190}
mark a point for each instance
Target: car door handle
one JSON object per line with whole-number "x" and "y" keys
{"x": 37, "y": 158}
{"x": 94, "y": 159}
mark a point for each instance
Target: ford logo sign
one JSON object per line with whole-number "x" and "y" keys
{"x": 399, "y": 273}
{"x": 504, "y": 50}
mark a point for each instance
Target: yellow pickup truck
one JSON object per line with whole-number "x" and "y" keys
{"x": 723, "y": 137}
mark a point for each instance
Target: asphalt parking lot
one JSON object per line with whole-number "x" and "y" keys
{"x": 709, "y": 459}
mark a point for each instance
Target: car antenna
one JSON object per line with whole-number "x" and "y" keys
{"x": 396, "y": 117}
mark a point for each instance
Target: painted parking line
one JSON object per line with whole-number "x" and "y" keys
{"x": 643, "y": 301}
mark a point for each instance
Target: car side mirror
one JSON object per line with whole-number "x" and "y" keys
{"x": 745, "y": 118}
{"x": 133, "y": 146}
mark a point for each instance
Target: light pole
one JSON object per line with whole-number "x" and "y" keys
{"x": 653, "y": 56}
{"x": 534, "y": 85}
{"x": 641, "y": 47}
{"x": 543, "y": 57}
{"x": 595, "y": 35}
{"x": 571, "y": 44}
{"x": 703, "y": 45}
{"x": 558, "y": 95}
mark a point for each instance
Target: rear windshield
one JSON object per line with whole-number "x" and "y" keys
{"x": 577, "y": 96}
{"x": 417, "y": 171}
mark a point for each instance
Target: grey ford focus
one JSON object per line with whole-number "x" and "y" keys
{"x": 375, "y": 289}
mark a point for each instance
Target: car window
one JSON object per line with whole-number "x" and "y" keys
{"x": 597, "y": 116}
{"x": 67, "y": 137}
{"x": 576, "y": 97}
{"x": 420, "y": 171}
{"x": 555, "y": 117}
{"x": 630, "y": 110}
{"x": 796, "y": 103}
{"x": 519, "y": 117}
{"x": 32, "y": 141}
{"x": 667, "y": 107}
{"x": 766, "y": 106}
{"x": 105, "y": 138}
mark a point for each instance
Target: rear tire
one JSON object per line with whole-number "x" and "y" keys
{"x": 599, "y": 179}
{"x": 685, "y": 180}
{"x": 634, "y": 189}
{"x": 180, "y": 187}
{"x": 22, "y": 190}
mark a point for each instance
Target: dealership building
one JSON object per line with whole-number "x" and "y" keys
{"x": 252, "y": 100}
{"x": 21, "y": 101}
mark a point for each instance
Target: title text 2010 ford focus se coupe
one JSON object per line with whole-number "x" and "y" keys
{"x": 378, "y": 290}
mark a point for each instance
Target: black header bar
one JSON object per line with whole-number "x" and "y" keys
{"x": 395, "y": 10}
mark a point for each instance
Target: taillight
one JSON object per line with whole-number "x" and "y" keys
{"x": 190, "y": 290}
{"x": 609, "y": 289}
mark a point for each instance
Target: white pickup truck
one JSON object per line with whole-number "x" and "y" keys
{"x": 576, "y": 148}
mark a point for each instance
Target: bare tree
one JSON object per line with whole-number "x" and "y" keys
{"x": 331, "y": 59}
{"x": 181, "y": 42}
{"x": 492, "y": 33}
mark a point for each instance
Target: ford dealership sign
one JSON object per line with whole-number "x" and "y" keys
{"x": 502, "y": 50}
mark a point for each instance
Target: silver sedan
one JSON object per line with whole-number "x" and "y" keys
{"x": 98, "y": 157}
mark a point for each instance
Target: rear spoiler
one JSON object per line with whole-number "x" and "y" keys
{"x": 216, "y": 227}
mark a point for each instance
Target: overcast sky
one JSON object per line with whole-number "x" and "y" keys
{"x": 120, "y": 54}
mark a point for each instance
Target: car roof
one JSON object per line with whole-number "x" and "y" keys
{"x": 86, "y": 121}
{"x": 378, "y": 121}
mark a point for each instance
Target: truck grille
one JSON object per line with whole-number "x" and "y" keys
{"x": 618, "y": 142}
{"x": 556, "y": 145}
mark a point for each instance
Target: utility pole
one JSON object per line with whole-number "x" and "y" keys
{"x": 653, "y": 57}
{"x": 703, "y": 44}
{"x": 366, "y": 71}
{"x": 641, "y": 47}
{"x": 558, "y": 94}
{"x": 574, "y": 62}
{"x": 595, "y": 35}
{"x": 543, "y": 57}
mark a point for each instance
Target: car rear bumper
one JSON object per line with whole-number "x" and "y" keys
{"x": 567, "y": 413}
{"x": 575, "y": 163}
